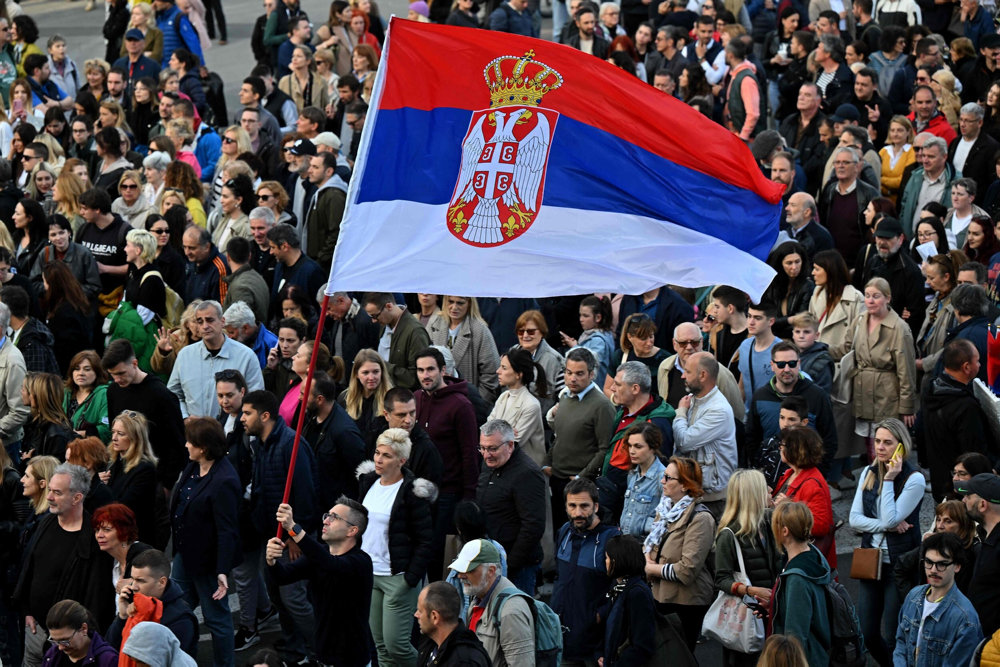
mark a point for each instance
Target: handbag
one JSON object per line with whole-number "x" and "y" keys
{"x": 729, "y": 621}
{"x": 867, "y": 563}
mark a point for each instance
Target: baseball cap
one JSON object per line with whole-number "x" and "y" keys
{"x": 845, "y": 112}
{"x": 991, "y": 41}
{"x": 888, "y": 228}
{"x": 303, "y": 147}
{"x": 985, "y": 485}
{"x": 135, "y": 34}
{"x": 328, "y": 139}
{"x": 474, "y": 554}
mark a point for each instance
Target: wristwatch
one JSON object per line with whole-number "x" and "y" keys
{"x": 294, "y": 530}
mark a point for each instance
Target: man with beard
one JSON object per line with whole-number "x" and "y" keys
{"x": 506, "y": 630}
{"x": 582, "y": 578}
{"x": 982, "y": 500}
{"x": 897, "y": 267}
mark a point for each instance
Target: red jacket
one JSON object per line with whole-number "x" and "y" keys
{"x": 810, "y": 488}
{"x": 938, "y": 126}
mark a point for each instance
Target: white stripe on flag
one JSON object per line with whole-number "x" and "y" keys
{"x": 401, "y": 246}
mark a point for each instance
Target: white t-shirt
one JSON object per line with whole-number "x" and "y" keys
{"x": 929, "y": 608}
{"x": 961, "y": 154}
{"x": 375, "y": 541}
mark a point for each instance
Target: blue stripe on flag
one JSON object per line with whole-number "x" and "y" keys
{"x": 588, "y": 169}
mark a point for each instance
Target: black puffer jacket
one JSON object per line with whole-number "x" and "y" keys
{"x": 410, "y": 525}
{"x": 460, "y": 648}
{"x": 511, "y": 496}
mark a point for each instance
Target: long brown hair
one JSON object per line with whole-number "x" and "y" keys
{"x": 46, "y": 392}
{"x": 63, "y": 288}
{"x": 837, "y": 277}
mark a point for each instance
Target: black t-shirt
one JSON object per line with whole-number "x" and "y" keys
{"x": 108, "y": 247}
{"x": 48, "y": 561}
{"x": 677, "y": 389}
{"x": 727, "y": 343}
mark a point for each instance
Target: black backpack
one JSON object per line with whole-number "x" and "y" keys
{"x": 216, "y": 97}
{"x": 847, "y": 644}
{"x": 767, "y": 459}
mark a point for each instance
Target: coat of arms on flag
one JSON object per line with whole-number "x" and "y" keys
{"x": 504, "y": 154}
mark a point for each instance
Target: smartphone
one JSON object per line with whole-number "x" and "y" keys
{"x": 17, "y": 107}
{"x": 900, "y": 451}
{"x": 757, "y": 608}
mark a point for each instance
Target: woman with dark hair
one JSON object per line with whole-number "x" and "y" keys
{"x": 112, "y": 164}
{"x": 777, "y": 51}
{"x": 204, "y": 523}
{"x": 941, "y": 272}
{"x": 117, "y": 535}
{"x": 235, "y": 203}
{"x": 802, "y": 451}
{"x": 518, "y": 406}
{"x": 68, "y": 312}
{"x": 24, "y": 134}
{"x": 85, "y": 400}
{"x": 677, "y": 548}
{"x": 186, "y": 64}
{"x": 169, "y": 261}
{"x": 624, "y": 44}
{"x": 72, "y": 631}
{"x": 31, "y": 231}
{"x": 57, "y": 127}
{"x": 981, "y": 243}
{"x": 693, "y": 85}
{"x": 967, "y": 466}
{"x": 23, "y": 35}
{"x": 835, "y": 303}
{"x": 115, "y": 25}
{"x": 597, "y": 322}
{"x": 878, "y": 208}
{"x": 642, "y": 486}
{"x": 15, "y": 511}
{"x": 623, "y": 61}
{"x": 461, "y": 328}
{"x": 637, "y": 343}
{"x": 929, "y": 229}
{"x": 791, "y": 288}
{"x": 630, "y": 629}
{"x": 292, "y": 301}
{"x": 143, "y": 114}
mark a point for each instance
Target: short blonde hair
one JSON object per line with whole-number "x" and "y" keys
{"x": 398, "y": 440}
{"x": 144, "y": 240}
{"x": 804, "y": 320}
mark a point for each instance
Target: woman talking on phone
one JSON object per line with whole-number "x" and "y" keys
{"x": 886, "y": 508}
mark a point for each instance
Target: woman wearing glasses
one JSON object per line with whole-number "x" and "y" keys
{"x": 398, "y": 539}
{"x": 168, "y": 231}
{"x": 531, "y": 331}
{"x": 885, "y": 370}
{"x": 204, "y": 511}
{"x": 637, "y": 344}
{"x": 235, "y": 141}
{"x": 145, "y": 287}
{"x": 132, "y": 204}
{"x": 802, "y": 451}
{"x": 73, "y": 638}
{"x": 886, "y": 509}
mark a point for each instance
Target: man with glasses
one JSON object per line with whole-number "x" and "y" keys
{"x": 670, "y": 375}
{"x": 354, "y": 117}
{"x": 511, "y": 491}
{"x": 252, "y": 91}
{"x": 973, "y": 154}
{"x": 982, "y": 500}
{"x": 339, "y": 576}
{"x": 762, "y": 422}
{"x": 401, "y": 339}
{"x": 843, "y": 199}
{"x": 705, "y": 429}
{"x": 938, "y": 625}
{"x": 250, "y": 121}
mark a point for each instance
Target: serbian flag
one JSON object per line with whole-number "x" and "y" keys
{"x": 498, "y": 165}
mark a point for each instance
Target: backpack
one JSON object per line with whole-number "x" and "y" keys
{"x": 216, "y": 98}
{"x": 548, "y": 627}
{"x": 847, "y": 644}
{"x": 175, "y": 304}
{"x": 767, "y": 459}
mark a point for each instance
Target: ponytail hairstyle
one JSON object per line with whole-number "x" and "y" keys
{"x": 530, "y": 371}
{"x": 600, "y": 305}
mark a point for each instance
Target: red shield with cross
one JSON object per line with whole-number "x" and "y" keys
{"x": 495, "y": 172}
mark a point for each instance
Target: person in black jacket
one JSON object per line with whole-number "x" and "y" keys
{"x": 893, "y": 263}
{"x": 399, "y": 542}
{"x": 48, "y": 431}
{"x": 203, "y": 511}
{"x": 339, "y": 576}
{"x": 399, "y": 410}
{"x": 151, "y": 577}
{"x": 336, "y": 440}
{"x": 31, "y": 231}
{"x": 132, "y": 474}
{"x": 347, "y": 330}
{"x": 630, "y": 631}
{"x": 15, "y": 509}
{"x": 791, "y": 288}
{"x": 447, "y": 642}
{"x": 511, "y": 490}
{"x": 671, "y": 310}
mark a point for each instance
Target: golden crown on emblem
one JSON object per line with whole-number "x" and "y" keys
{"x": 519, "y": 80}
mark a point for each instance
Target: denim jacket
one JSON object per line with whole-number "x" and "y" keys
{"x": 949, "y": 637}
{"x": 642, "y": 495}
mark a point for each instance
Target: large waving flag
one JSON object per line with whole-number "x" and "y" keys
{"x": 499, "y": 165}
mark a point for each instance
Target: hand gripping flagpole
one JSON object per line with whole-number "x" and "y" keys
{"x": 304, "y": 401}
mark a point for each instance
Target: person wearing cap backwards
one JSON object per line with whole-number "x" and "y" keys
{"x": 498, "y": 612}
{"x": 896, "y": 265}
{"x": 328, "y": 142}
{"x": 982, "y": 500}
{"x": 135, "y": 64}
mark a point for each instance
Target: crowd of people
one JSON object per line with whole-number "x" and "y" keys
{"x": 599, "y": 479}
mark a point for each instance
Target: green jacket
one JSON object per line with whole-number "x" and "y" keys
{"x": 660, "y": 412}
{"x": 93, "y": 411}
{"x": 323, "y": 221}
{"x": 908, "y": 200}
{"x": 803, "y": 584}
{"x": 126, "y": 323}
{"x": 409, "y": 339}
{"x": 248, "y": 286}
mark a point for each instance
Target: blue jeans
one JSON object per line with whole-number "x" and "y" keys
{"x": 560, "y": 15}
{"x": 198, "y": 589}
{"x": 878, "y": 612}
{"x": 524, "y": 578}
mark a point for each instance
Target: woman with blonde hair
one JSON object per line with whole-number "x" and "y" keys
{"x": 66, "y": 195}
{"x": 145, "y": 288}
{"x": 272, "y": 195}
{"x": 169, "y": 198}
{"x": 132, "y": 474}
{"x": 461, "y": 328}
{"x": 132, "y": 205}
{"x": 47, "y": 431}
{"x": 143, "y": 19}
{"x": 365, "y": 394}
{"x": 326, "y": 70}
{"x": 949, "y": 103}
{"x": 886, "y": 510}
{"x": 303, "y": 84}
{"x": 235, "y": 141}
{"x": 35, "y": 483}
{"x": 782, "y": 651}
{"x": 111, "y": 114}
{"x": 896, "y": 155}
{"x": 21, "y": 106}
{"x": 169, "y": 343}
{"x": 41, "y": 183}
{"x": 744, "y": 525}
{"x": 78, "y": 168}
{"x": 96, "y": 72}
{"x": 678, "y": 546}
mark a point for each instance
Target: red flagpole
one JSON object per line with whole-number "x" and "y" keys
{"x": 305, "y": 400}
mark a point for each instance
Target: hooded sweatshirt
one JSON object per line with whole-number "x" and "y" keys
{"x": 803, "y": 584}
{"x": 155, "y": 644}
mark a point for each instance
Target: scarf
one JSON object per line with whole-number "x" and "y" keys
{"x": 666, "y": 513}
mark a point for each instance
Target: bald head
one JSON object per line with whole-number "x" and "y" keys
{"x": 687, "y": 341}
{"x": 701, "y": 372}
{"x": 801, "y": 210}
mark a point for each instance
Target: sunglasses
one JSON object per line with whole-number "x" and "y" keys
{"x": 790, "y": 364}
{"x": 160, "y": 231}
{"x": 527, "y": 332}
{"x": 228, "y": 140}
{"x": 264, "y": 197}
{"x": 128, "y": 186}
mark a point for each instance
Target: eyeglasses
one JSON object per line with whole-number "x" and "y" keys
{"x": 936, "y": 565}
{"x": 375, "y": 316}
{"x": 668, "y": 478}
{"x": 961, "y": 474}
{"x": 159, "y": 231}
{"x": 687, "y": 343}
{"x": 330, "y": 517}
{"x": 132, "y": 414}
{"x": 263, "y": 197}
{"x": 791, "y": 364}
{"x": 527, "y": 332}
{"x": 228, "y": 140}
{"x": 128, "y": 186}
{"x": 490, "y": 450}
{"x": 64, "y": 642}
